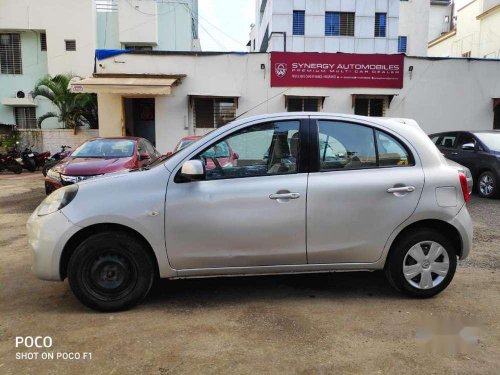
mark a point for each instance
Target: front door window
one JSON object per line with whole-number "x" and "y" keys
{"x": 259, "y": 150}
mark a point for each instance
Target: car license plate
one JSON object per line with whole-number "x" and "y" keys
{"x": 31, "y": 155}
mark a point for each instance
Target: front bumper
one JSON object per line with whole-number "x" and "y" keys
{"x": 47, "y": 236}
{"x": 463, "y": 223}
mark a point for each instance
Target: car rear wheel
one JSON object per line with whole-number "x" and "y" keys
{"x": 487, "y": 185}
{"x": 421, "y": 264}
{"x": 110, "y": 271}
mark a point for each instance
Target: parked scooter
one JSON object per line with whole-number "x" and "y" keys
{"x": 56, "y": 158}
{"x": 27, "y": 157}
{"x": 8, "y": 162}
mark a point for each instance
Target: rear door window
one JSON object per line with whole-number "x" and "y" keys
{"x": 447, "y": 140}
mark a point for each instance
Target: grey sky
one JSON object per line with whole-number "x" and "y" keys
{"x": 225, "y": 24}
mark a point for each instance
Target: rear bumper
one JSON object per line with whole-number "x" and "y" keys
{"x": 463, "y": 223}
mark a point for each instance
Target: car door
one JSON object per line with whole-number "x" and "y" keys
{"x": 250, "y": 212}
{"x": 366, "y": 183}
{"x": 471, "y": 158}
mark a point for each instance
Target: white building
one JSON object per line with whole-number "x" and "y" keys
{"x": 476, "y": 33}
{"x": 191, "y": 94}
{"x": 60, "y": 36}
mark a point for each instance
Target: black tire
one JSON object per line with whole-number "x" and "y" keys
{"x": 48, "y": 165}
{"x": 397, "y": 258}
{"x": 15, "y": 167}
{"x": 490, "y": 177}
{"x": 111, "y": 271}
{"x": 30, "y": 165}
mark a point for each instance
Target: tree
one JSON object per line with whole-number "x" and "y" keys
{"x": 75, "y": 109}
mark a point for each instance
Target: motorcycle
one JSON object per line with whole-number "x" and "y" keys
{"x": 9, "y": 163}
{"x": 56, "y": 158}
{"x": 39, "y": 157}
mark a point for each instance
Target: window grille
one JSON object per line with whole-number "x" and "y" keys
{"x": 380, "y": 24}
{"x": 402, "y": 44}
{"x": 106, "y": 5}
{"x": 43, "y": 42}
{"x": 70, "y": 44}
{"x": 10, "y": 53}
{"x": 298, "y": 22}
{"x": 25, "y": 117}
{"x": 213, "y": 112}
{"x": 374, "y": 106}
{"x": 339, "y": 23}
{"x": 304, "y": 104}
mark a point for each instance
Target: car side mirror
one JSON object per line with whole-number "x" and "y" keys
{"x": 193, "y": 170}
{"x": 169, "y": 153}
{"x": 469, "y": 146}
{"x": 236, "y": 156}
{"x": 144, "y": 156}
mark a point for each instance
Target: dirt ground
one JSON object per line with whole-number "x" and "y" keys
{"x": 343, "y": 323}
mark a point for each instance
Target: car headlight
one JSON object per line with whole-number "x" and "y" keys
{"x": 53, "y": 174}
{"x": 57, "y": 200}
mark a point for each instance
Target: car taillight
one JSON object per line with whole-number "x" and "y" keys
{"x": 465, "y": 187}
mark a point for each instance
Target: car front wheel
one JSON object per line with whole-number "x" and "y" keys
{"x": 110, "y": 271}
{"x": 487, "y": 185}
{"x": 421, "y": 264}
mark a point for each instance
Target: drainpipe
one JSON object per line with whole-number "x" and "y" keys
{"x": 284, "y": 38}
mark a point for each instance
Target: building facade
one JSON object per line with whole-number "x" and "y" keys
{"x": 174, "y": 95}
{"x": 60, "y": 36}
{"x": 476, "y": 33}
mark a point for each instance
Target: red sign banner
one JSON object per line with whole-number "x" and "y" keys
{"x": 311, "y": 69}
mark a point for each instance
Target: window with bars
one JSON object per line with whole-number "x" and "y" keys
{"x": 10, "y": 53}
{"x": 70, "y": 44}
{"x": 380, "y": 24}
{"x": 25, "y": 117}
{"x": 213, "y": 112}
{"x": 298, "y": 22}
{"x": 402, "y": 43}
{"x": 43, "y": 42}
{"x": 303, "y": 104}
{"x": 339, "y": 23}
{"x": 370, "y": 106}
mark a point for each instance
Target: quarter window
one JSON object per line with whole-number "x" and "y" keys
{"x": 259, "y": 150}
{"x": 391, "y": 153}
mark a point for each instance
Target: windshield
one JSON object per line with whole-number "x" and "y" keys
{"x": 105, "y": 148}
{"x": 491, "y": 140}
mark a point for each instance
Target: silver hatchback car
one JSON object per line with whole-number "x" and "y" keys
{"x": 272, "y": 194}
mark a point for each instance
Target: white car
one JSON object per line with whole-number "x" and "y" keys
{"x": 309, "y": 192}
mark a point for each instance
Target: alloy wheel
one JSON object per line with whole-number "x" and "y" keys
{"x": 426, "y": 264}
{"x": 486, "y": 185}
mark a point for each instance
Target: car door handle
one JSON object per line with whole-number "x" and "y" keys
{"x": 284, "y": 196}
{"x": 454, "y": 153}
{"x": 401, "y": 189}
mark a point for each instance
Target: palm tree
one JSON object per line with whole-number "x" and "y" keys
{"x": 74, "y": 109}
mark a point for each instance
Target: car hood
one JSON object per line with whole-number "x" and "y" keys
{"x": 93, "y": 166}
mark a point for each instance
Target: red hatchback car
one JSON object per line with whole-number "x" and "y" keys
{"x": 99, "y": 156}
{"x": 219, "y": 156}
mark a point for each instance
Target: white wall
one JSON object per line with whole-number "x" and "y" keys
{"x": 440, "y": 95}
{"x": 75, "y": 20}
{"x": 437, "y": 24}
{"x": 414, "y": 24}
{"x": 52, "y": 139}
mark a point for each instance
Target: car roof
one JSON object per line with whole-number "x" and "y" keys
{"x": 493, "y": 131}
{"x": 135, "y": 139}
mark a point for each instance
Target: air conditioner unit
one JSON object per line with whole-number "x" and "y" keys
{"x": 20, "y": 94}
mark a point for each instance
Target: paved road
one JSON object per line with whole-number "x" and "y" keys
{"x": 347, "y": 323}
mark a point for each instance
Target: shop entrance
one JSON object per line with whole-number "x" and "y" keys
{"x": 140, "y": 118}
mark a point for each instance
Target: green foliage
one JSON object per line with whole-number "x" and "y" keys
{"x": 8, "y": 141}
{"x": 75, "y": 109}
